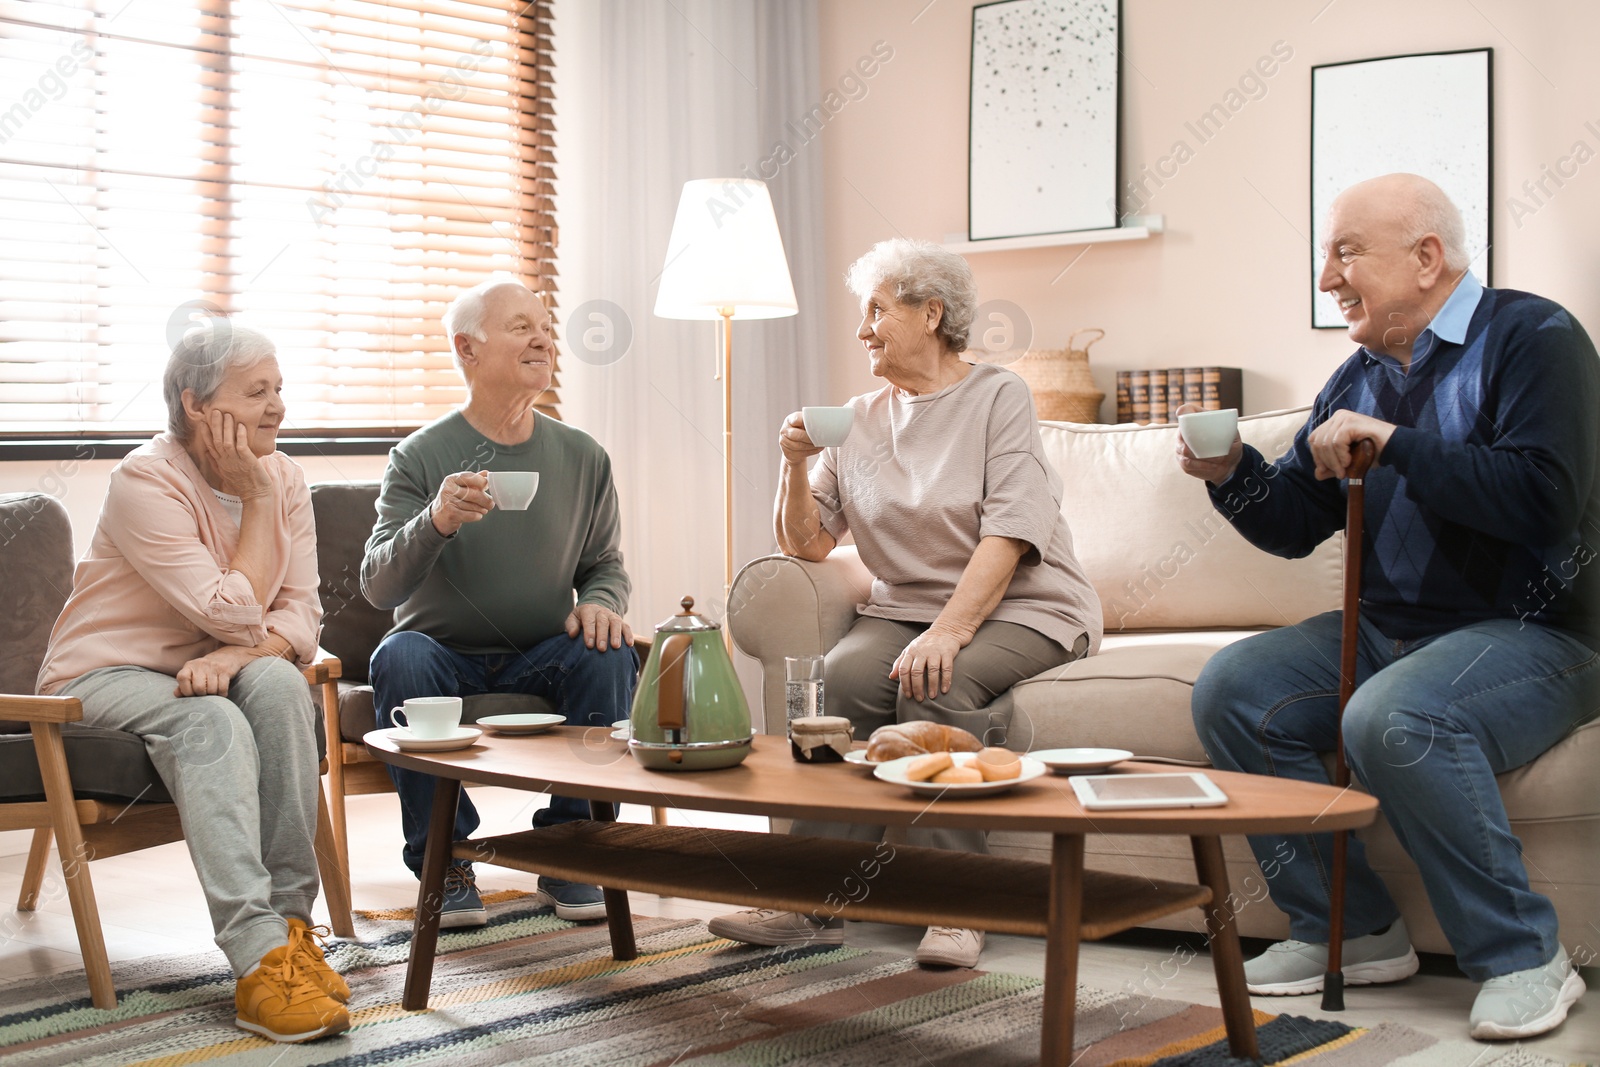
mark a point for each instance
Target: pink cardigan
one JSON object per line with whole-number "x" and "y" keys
{"x": 154, "y": 590}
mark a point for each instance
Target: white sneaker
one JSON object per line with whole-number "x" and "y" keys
{"x": 950, "y": 946}
{"x": 763, "y": 926}
{"x": 1295, "y": 968}
{"x": 1526, "y": 1003}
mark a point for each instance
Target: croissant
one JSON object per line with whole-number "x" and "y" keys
{"x": 916, "y": 738}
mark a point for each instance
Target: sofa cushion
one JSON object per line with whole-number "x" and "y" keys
{"x": 345, "y": 513}
{"x": 1160, "y": 556}
{"x": 104, "y": 765}
{"x": 1133, "y": 695}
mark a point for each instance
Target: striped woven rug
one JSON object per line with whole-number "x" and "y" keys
{"x": 530, "y": 988}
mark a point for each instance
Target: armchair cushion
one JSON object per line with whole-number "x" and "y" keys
{"x": 351, "y": 627}
{"x": 37, "y": 539}
{"x": 105, "y": 765}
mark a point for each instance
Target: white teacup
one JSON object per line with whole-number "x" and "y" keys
{"x": 828, "y": 427}
{"x": 513, "y": 490}
{"x": 1209, "y": 434}
{"x": 429, "y": 718}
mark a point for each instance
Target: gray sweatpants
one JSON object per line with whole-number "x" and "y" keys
{"x": 857, "y": 685}
{"x": 243, "y": 770}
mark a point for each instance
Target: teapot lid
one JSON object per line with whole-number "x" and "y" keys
{"x": 686, "y": 621}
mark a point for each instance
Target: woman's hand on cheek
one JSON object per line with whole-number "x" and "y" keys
{"x": 228, "y": 443}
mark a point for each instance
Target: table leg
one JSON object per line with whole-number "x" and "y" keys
{"x": 1227, "y": 959}
{"x": 430, "y": 896}
{"x": 619, "y": 917}
{"x": 1061, "y": 949}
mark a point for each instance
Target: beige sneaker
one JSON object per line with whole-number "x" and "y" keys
{"x": 949, "y": 946}
{"x": 306, "y": 951}
{"x": 763, "y": 926}
{"x": 279, "y": 1000}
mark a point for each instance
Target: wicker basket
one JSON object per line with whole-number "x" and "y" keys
{"x": 1063, "y": 389}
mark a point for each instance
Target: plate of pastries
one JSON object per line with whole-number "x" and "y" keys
{"x": 932, "y": 759}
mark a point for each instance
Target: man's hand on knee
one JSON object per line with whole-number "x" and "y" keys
{"x": 601, "y": 627}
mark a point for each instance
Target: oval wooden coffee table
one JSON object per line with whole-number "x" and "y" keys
{"x": 1059, "y": 901}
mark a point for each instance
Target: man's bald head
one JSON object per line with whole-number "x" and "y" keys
{"x": 1408, "y": 207}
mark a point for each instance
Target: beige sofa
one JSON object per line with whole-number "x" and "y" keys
{"x": 1176, "y": 583}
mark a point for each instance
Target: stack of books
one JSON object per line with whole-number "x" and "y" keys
{"x": 1154, "y": 395}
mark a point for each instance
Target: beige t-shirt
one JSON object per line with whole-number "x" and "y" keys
{"x": 922, "y": 479}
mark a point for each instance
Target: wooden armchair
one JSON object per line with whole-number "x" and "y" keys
{"x": 102, "y": 796}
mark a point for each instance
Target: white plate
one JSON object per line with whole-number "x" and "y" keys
{"x": 406, "y": 741}
{"x": 522, "y": 723}
{"x": 894, "y": 772}
{"x": 621, "y": 733}
{"x": 858, "y": 756}
{"x": 1081, "y": 760}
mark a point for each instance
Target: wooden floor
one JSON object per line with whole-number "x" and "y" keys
{"x": 150, "y": 903}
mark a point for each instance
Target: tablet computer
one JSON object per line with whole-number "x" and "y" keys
{"x": 1114, "y": 791}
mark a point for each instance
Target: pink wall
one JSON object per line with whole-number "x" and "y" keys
{"x": 1227, "y": 282}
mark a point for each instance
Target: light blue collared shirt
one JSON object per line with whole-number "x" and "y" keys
{"x": 1449, "y": 325}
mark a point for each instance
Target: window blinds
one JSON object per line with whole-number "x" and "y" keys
{"x": 329, "y": 171}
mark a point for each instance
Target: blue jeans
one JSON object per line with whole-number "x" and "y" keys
{"x": 590, "y": 687}
{"x": 1431, "y": 724}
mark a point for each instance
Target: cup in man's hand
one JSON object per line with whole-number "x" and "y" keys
{"x": 513, "y": 490}
{"x": 1209, "y": 434}
{"x": 826, "y": 426}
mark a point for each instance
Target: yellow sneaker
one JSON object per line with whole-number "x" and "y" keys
{"x": 306, "y": 951}
{"x": 279, "y": 1000}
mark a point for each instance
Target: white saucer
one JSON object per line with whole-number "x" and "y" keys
{"x": 522, "y": 723}
{"x": 621, "y": 733}
{"x": 894, "y": 772}
{"x": 858, "y": 756}
{"x": 407, "y": 742}
{"x": 1081, "y": 760}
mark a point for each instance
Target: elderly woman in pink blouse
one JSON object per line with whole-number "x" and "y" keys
{"x": 944, "y": 485}
{"x": 188, "y": 617}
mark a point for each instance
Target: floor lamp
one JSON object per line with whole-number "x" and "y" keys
{"x": 724, "y": 261}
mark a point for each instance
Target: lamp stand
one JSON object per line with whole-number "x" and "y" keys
{"x": 724, "y": 369}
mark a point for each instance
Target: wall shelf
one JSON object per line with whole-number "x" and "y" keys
{"x": 1138, "y": 228}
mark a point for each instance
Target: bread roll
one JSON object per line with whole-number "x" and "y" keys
{"x": 997, "y": 764}
{"x": 917, "y": 737}
{"x": 958, "y": 775}
{"x": 925, "y": 767}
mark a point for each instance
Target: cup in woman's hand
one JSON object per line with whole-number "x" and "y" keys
{"x": 429, "y": 718}
{"x": 1209, "y": 434}
{"x": 826, "y": 426}
{"x": 513, "y": 490}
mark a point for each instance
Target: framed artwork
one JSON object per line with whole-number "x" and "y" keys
{"x": 1427, "y": 114}
{"x": 1042, "y": 140}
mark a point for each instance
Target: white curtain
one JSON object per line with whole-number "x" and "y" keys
{"x": 650, "y": 94}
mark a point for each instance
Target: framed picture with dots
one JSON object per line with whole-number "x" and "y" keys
{"x": 1423, "y": 114}
{"x": 1044, "y": 120}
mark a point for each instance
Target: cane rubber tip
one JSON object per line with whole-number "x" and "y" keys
{"x": 1333, "y": 991}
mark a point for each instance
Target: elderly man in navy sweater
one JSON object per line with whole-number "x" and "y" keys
{"x": 1478, "y": 633}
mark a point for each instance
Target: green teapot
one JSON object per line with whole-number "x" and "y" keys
{"x": 689, "y": 713}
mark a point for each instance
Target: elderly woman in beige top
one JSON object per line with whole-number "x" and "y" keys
{"x": 944, "y": 485}
{"x": 188, "y": 614}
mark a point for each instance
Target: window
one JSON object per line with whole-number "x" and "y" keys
{"x": 329, "y": 171}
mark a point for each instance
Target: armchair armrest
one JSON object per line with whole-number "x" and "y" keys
{"x": 782, "y": 606}
{"x": 44, "y": 709}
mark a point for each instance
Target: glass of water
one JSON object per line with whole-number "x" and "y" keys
{"x": 802, "y": 686}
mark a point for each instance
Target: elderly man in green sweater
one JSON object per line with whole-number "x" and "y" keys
{"x": 489, "y": 600}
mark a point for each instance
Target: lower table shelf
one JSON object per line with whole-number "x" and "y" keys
{"x": 850, "y": 879}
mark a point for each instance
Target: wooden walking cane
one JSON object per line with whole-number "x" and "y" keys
{"x": 1362, "y": 453}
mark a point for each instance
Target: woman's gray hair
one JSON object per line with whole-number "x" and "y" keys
{"x": 467, "y": 311}
{"x": 917, "y": 272}
{"x": 202, "y": 359}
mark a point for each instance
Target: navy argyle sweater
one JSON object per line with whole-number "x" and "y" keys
{"x": 1485, "y": 503}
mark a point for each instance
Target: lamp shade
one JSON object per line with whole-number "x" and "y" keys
{"x": 725, "y": 251}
